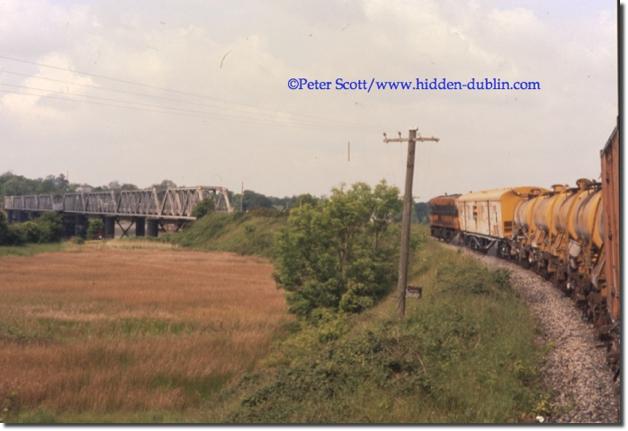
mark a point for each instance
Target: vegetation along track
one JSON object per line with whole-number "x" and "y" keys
{"x": 575, "y": 369}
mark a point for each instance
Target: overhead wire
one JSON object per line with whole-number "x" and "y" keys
{"x": 166, "y": 98}
{"x": 93, "y": 100}
{"x": 165, "y": 89}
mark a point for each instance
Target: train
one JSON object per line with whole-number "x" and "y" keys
{"x": 569, "y": 235}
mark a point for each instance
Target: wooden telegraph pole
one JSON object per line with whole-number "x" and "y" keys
{"x": 404, "y": 253}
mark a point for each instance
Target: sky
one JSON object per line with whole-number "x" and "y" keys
{"x": 196, "y": 92}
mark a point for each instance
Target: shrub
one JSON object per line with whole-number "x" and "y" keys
{"x": 4, "y": 229}
{"x": 339, "y": 253}
{"x": 51, "y": 227}
{"x": 46, "y": 228}
{"x": 266, "y": 212}
{"x": 203, "y": 208}
{"x": 95, "y": 228}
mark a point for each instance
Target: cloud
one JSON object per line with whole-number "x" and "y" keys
{"x": 240, "y": 121}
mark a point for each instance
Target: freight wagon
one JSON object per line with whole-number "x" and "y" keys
{"x": 486, "y": 217}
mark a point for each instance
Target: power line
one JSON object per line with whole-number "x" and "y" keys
{"x": 261, "y": 111}
{"x": 107, "y": 99}
{"x": 97, "y": 75}
{"x": 174, "y": 91}
{"x": 160, "y": 110}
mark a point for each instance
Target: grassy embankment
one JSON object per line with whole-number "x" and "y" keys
{"x": 246, "y": 234}
{"x": 465, "y": 353}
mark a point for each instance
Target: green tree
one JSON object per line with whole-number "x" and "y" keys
{"x": 339, "y": 253}
{"x": 165, "y": 184}
{"x": 254, "y": 200}
{"x": 11, "y": 184}
{"x": 299, "y": 200}
{"x": 95, "y": 228}
{"x": 203, "y": 208}
{"x": 50, "y": 226}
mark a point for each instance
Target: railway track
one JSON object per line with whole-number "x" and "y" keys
{"x": 575, "y": 371}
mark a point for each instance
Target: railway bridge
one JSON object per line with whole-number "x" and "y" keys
{"x": 148, "y": 211}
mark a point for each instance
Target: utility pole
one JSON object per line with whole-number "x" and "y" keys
{"x": 404, "y": 253}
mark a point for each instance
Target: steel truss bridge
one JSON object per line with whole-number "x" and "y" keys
{"x": 152, "y": 205}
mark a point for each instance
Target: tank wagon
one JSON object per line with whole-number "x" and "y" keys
{"x": 570, "y": 235}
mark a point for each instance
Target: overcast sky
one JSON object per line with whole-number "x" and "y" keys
{"x": 224, "y": 113}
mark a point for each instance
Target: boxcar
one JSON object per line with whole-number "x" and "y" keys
{"x": 486, "y": 217}
{"x": 610, "y": 156}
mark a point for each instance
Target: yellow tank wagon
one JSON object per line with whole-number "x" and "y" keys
{"x": 535, "y": 228}
{"x": 486, "y": 217}
{"x": 585, "y": 246}
{"x": 568, "y": 241}
{"x": 525, "y": 228}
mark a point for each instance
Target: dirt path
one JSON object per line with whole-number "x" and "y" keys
{"x": 575, "y": 368}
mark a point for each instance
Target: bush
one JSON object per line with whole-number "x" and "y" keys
{"x": 266, "y": 212}
{"x": 46, "y": 228}
{"x": 4, "y": 229}
{"x": 51, "y": 227}
{"x": 95, "y": 228}
{"x": 203, "y": 208}
{"x": 339, "y": 253}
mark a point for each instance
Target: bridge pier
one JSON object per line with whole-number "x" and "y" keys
{"x": 140, "y": 226}
{"x": 68, "y": 225}
{"x": 80, "y": 225}
{"x": 110, "y": 227}
{"x": 152, "y": 227}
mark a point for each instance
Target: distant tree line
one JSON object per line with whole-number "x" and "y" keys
{"x": 11, "y": 184}
{"x": 251, "y": 200}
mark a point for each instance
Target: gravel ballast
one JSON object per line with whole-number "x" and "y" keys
{"x": 575, "y": 369}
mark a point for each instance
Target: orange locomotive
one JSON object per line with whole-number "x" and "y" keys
{"x": 570, "y": 235}
{"x": 444, "y": 217}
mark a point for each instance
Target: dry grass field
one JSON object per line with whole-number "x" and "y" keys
{"x": 119, "y": 329}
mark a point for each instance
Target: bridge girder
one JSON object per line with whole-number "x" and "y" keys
{"x": 172, "y": 203}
